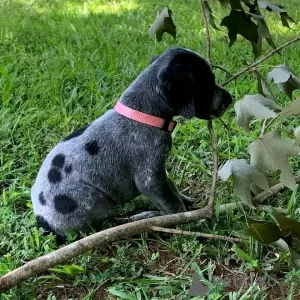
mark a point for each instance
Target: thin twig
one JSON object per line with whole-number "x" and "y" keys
{"x": 222, "y": 69}
{"x": 263, "y": 128}
{"x": 207, "y": 35}
{"x": 215, "y": 164}
{"x": 267, "y": 125}
{"x": 295, "y": 40}
{"x": 199, "y": 234}
{"x": 224, "y": 124}
{"x": 266, "y": 208}
{"x": 258, "y": 199}
{"x": 209, "y": 123}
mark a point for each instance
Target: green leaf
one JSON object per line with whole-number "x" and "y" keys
{"x": 263, "y": 28}
{"x": 264, "y": 233}
{"x": 208, "y": 13}
{"x": 68, "y": 269}
{"x": 285, "y": 18}
{"x": 271, "y": 152}
{"x": 243, "y": 176}
{"x": 236, "y": 4}
{"x": 120, "y": 294}
{"x": 224, "y": 2}
{"x": 285, "y": 78}
{"x": 197, "y": 288}
{"x": 277, "y": 9}
{"x": 297, "y": 135}
{"x": 282, "y": 244}
{"x": 243, "y": 254}
{"x": 294, "y": 258}
{"x": 162, "y": 24}
{"x": 264, "y": 31}
{"x": 271, "y": 7}
{"x": 292, "y": 109}
{"x": 251, "y": 221}
{"x": 263, "y": 86}
{"x": 239, "y": 22}
{"x": 254, "y": 106}
{"x": 257, "y": 48}
{"x": 287, "y": 225}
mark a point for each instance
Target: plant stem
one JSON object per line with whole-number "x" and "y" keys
{"x": 215, "y": 165}
{"x": 207, "y": 35}
{"x": 295, "y": 40}
{"x": 209, "y": 123}
{"x": 267, "y": 125}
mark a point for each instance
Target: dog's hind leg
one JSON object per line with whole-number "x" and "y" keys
{"x": 188, "y": 202}
{"x": 42, "y": 223}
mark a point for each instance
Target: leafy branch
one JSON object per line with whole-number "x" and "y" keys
{"x": 258, "y": 62}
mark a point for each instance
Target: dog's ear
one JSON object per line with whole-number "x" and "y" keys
{"x": 176, "y": 86}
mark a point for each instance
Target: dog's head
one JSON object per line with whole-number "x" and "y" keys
{"x": 187, "y": 84}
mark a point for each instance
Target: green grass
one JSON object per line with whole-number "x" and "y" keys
{"x": 63, "y": 64}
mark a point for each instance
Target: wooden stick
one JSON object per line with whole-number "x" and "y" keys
{"x": 200, "y": 234}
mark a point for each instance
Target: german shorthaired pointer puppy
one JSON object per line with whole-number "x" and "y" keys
{"x": 123, "y": 153}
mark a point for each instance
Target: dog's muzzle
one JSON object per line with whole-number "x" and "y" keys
{"x": 221, "y": 101}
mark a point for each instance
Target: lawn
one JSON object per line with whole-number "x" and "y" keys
{"x": 63, "y": 64}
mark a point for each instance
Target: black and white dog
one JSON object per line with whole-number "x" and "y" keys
{"x": 123, "y": 153}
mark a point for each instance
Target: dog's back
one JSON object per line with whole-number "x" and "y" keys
{"x": 83, "y": 177}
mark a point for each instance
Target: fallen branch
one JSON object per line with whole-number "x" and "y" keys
{"x": 199, "y": 234}
{"x": 295, "y": 40}
{"x": 66, "y": 253}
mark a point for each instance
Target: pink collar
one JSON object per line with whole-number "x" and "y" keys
{"x": 164, "y": 124}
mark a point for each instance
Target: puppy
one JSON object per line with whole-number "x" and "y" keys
{"x": 123, "y": 153}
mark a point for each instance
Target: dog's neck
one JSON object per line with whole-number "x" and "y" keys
{"x": 141, "y": 95}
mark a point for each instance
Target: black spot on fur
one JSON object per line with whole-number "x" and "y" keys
{"x": 76, "y": 133}
{"x": 54, "y": 176}
{"x": 64, "y": 204}
{"x": 41, "y": 222}
{"x": 58, "y": 161}
{"x": 92, "y": 148}
{"x": 42, "y": 198}
{"x": 68, "y": 169}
